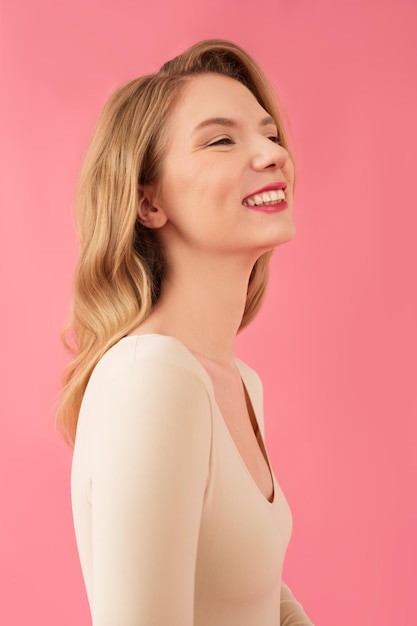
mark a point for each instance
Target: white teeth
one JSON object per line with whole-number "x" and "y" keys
{"x": 267, "y": 197}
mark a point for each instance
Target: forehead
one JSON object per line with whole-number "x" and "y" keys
{"x": 215, "y": 95}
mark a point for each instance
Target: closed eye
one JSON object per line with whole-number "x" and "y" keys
{"x": 223, "y": 141}
{"x": 275, "y": 139}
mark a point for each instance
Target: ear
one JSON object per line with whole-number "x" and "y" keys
{"x": 148, "y": 214}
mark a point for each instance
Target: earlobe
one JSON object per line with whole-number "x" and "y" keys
{"x": 148, "y": 214}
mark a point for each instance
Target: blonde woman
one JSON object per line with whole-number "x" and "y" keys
{"x": 186, "y": 189}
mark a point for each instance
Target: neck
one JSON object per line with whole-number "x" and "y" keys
{"x": 202, "y": 304}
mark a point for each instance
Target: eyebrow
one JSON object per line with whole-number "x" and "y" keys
{"x": 229, "y": 123}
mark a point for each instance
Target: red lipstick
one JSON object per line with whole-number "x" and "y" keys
{"x": 273, "y": 206}
{"x": 269, "y": 208}
{"x": 270, "y": 187}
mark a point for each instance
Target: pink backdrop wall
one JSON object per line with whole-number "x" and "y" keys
{"x": 336, "y": 342}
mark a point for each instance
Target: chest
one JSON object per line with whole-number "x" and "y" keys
{"x": 243, "y": 539}
{"x": 239, "y": 416}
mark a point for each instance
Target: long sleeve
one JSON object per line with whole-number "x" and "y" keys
{"x": 292, "y": 613}
{"x": 149, "y": 448}
{"x": 171, "y": 527}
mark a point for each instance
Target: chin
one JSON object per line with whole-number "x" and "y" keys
{"x": 283, "y": 234}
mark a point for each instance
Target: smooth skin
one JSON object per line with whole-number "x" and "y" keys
{"x": 211, "y": 240}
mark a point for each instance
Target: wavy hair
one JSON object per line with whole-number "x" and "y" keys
{"x": 120, "y": 268}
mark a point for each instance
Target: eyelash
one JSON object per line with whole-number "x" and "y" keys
{"x": 220, "y": 142}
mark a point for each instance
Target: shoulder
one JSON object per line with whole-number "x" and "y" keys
{"x": 145, "y": 371}
{"x": 153, "y": 352}
{"x": 250, "y": 376}
{"x": 145, "y": 382}
{"x": 146, "y": 410}
{"x": 253, "y": 384}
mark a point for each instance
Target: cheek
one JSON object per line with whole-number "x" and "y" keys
{"x": 198, "y": 189}
{"x": 288, "y": 171}
{"x": 181, "y": 198}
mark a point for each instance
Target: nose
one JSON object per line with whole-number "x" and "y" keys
{"x": 269, "y": 155}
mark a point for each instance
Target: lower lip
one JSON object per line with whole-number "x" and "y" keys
{"x": 269, "y": 208}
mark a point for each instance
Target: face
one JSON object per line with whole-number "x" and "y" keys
{"x": 222, "y": 157}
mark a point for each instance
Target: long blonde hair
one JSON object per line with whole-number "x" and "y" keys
{"x": 120, "y": 268}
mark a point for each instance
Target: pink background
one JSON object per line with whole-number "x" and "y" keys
{"x": 336, "y": 342}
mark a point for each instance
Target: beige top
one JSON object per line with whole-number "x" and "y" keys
{"x": 171, "y": 528}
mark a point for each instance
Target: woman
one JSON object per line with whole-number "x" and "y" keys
{"x": 186, "y": 189}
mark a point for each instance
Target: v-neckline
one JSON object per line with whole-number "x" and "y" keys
{"x": 259, "y": 438}
{"x": 262, "y": 447}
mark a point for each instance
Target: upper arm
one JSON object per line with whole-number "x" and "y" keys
{"x": 149, "y": 468}
{"x": 292, "y": 612}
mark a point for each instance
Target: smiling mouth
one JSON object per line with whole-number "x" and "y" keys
{"x": 274, "y": 196}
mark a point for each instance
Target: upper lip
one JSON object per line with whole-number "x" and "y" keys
{"x": 270, "y": 187}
